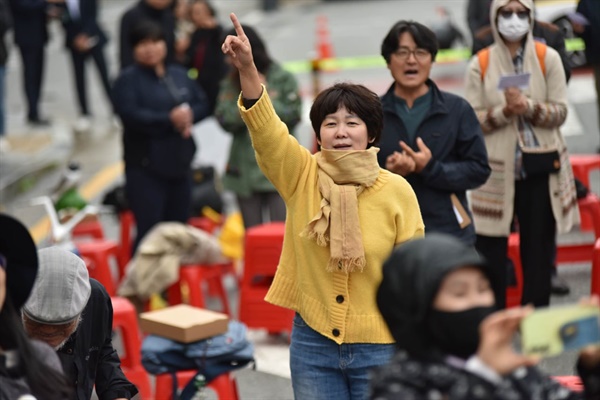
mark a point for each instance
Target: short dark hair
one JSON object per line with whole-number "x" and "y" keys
{"x": 423, "y": 36}
{"x": 146, "y": 29}
{"x": 357, "y": 99}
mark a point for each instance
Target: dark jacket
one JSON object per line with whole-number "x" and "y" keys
{"x": 204, "y": 54}
{"x": 408, "y": 378}
{"x": 591, "y": 10}
{"x": 29, "y": 19}
{"x": 5, "y": 26}
{"x": 89, "y": 358}
{"x": 549, "y": 34}
{"x": 478, "y": 14}
{"x": 134, "y": 15}
{"x": 144, "y": 101}
{"x": 87, "y": 23}
{"x": 459, "y": 158}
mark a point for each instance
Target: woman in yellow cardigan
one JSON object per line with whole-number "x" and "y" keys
{"x": 344, "y": 217}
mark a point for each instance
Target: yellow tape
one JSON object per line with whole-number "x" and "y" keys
{"x": 367, "y": 62}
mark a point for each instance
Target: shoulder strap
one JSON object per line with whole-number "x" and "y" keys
{"x": 484, "y": 57}
{"x": 540, "y": 51}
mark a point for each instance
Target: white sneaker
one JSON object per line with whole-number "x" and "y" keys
{"x": 83, "y": 124}
{"x": 4, "y": 145}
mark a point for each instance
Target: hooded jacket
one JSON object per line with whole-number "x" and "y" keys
{"x": 493, "y": 203}
{"x": 412, "y": 276}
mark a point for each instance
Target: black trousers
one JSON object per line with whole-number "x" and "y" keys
{"x": 254, "y": 207}
{"x": 154, "y": 199}
{"x": 537, "y": 231}
{"x": 79, "y": 59}
{"x": 32, "y": 58}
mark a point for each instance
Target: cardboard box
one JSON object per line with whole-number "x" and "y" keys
{"x": 184, "y": 323}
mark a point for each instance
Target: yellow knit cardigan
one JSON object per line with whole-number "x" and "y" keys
{"x": 340, "y": 306}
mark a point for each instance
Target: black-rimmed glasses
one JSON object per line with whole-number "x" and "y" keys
{"x": 420, "y": 54}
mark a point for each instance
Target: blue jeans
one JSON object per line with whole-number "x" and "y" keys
{"x": 323, "y": 370}
{"x": 2, "y": 95}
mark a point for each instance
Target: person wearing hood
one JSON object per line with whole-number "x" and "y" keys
{"x": 543, "y": 201}
{"x": 159, "y": 11}
{"x": 436, "y": 299}
{"x": 27, "y": 366}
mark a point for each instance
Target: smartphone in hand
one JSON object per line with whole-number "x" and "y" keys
{"x": 550, "y": 331}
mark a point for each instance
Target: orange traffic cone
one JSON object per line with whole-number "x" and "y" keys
{"x": 324, "y": 46}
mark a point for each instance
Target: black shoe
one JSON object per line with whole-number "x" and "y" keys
{"x": 559, "y": 286}
{"x": 37, "y": 121}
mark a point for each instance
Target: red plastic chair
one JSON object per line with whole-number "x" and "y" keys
{"x": 99, "y": 253}
{"x": 125, "y": 321}
{"x": 224, "y": 385}
{"x": 582, "y": 165}
{"x": 261, "y": 257}
{"x": 90, "y": 228}
{"x": 193, "y": 275}
{"x": 126, "y": 223}
{"x": 590, "y": 207}
{"x": 570, "y": 381}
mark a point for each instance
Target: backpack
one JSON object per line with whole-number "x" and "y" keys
{"x": 484, "y": 58}
{"x": 211, "y": 357}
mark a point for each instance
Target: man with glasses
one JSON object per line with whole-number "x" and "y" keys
{"x": 430, "y": 137}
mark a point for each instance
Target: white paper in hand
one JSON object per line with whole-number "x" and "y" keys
{"x": 520, "y": 81}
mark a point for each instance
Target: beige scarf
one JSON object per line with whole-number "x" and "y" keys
{"x": 343, "y": 175}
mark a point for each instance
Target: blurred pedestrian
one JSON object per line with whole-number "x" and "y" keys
{"x": 345, "y": 215}
{"x": 204, "y": 53}
{"x": 440, "y": 167}
{"x": 551, "y": 35}
{"x": 73, "y": 314}
{"x": 183, "y": 28}
{"x": 158, "y": 105}
{"x": 256, "y": 195}
{"x": 31, "y": 36}
{"x": 436, "y": 299}
{"x": 478, "y": 15}
{"x": 5, "y": 26}
{"x": 159, "y": 11}
{"x": 590, "y": 33}
{"x": 27, "y": 367}
{"x": 85, "y": 38}
{"x": 515, "y": 121}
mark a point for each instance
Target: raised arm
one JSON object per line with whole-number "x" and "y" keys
{"x": 238, "y": 48}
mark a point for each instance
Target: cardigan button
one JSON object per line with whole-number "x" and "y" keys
{"x": 339, "y": 298}
{"x": 336, "y": 332}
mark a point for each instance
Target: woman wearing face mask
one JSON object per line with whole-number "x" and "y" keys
{"x": 436, "y": 299}
{"x": 544, "y": 202}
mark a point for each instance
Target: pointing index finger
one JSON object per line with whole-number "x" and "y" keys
{"x": 237, "y": 26}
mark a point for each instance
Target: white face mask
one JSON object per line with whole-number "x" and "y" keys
{"x": 513, "y": 28}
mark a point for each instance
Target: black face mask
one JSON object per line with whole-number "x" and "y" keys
{"x": 457, "y": 333}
